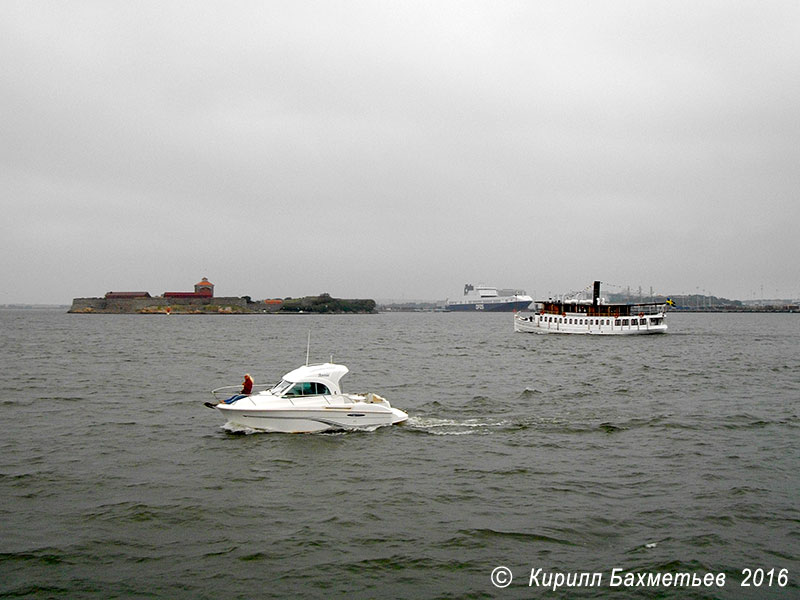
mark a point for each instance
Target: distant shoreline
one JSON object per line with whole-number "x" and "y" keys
{"x": 381, "y": 308}
{"x": 206, "y": 304}
{"x": 22, "y": 306}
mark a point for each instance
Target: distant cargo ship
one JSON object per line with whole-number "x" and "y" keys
{"x": 487, "y": 298}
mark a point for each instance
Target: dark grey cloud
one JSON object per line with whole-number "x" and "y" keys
{"x": 398, "y": 150}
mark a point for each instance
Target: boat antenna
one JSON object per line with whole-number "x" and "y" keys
{"x": 308, "y": 346}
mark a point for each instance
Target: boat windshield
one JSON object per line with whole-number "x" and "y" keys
{"x": 301, "y": 388}
{"x": 281, "y": 387}
{"x": 307, "y": 388}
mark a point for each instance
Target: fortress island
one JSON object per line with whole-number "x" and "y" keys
{"x": 203, "y": 302}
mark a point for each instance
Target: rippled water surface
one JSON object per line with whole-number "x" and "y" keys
{"x": 570, "y": 454}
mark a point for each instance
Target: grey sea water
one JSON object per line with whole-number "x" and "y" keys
{"x": 658, "y": 454}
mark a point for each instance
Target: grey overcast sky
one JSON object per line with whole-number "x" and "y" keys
{"x": 399, "y": 149}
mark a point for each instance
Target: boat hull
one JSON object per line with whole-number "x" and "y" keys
{"x": 579, "y": 324}
{"x": 305, "y": 420}
{"x": 488, "y": 306}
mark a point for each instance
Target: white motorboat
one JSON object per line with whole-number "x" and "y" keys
{"x": 307, "y": 400}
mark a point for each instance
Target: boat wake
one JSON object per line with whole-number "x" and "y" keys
{"x": 434, "y": 426}
{"x": 239, "y": 429}
{"x": 424, "y": 425}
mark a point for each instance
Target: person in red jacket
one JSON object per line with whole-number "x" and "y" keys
{"x": 247, "y": 385}
{"x": 247, "y": 389}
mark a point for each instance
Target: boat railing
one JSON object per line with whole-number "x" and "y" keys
{"x": 646, "y": 309}
{"x": 603, "y": 310}
{"x": 227, "y": 391}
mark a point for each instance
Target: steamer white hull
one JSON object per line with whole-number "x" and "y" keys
{"x": 580, "y": 324}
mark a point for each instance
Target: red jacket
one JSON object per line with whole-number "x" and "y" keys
{"x": 247, "y": 386}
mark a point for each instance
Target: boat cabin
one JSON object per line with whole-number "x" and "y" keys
{"x": 301, "y": 388}
{"x": 311, "y": 380}
{"x": 596, "y": 307}
{"x": 480, "y": 291}
{"x": 551, "y": 307}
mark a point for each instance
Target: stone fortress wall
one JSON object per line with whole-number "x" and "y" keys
{"x": 200, "y": 301}
{"x": 177, "y": 305}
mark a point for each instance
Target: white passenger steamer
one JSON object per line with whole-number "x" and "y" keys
{"x": 593, "y": 317}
